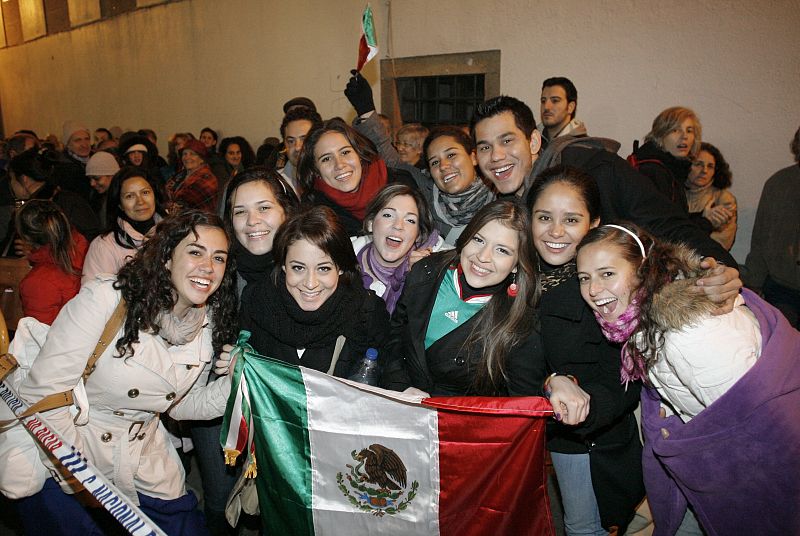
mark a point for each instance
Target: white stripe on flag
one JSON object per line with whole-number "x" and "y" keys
{"x": 344, "y": 418}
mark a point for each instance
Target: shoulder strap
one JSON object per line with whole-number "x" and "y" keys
{"x": 111, "y": 329}
{"x": 340, "y": 340}
{"x": 64, "y": 398}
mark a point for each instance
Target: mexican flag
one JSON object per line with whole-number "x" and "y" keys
{"x": 368, "y": 44}
{"x": 336, "y": 457}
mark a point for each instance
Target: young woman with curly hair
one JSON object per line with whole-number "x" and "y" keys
{"x": 180, "y": 307}
{"x": 709, "y": 196}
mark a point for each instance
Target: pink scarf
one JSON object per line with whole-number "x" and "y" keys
{"x": 620, "y": 330}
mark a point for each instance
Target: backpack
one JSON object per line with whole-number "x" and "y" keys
{"x": 635, "y": 162}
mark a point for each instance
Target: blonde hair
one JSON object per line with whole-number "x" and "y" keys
{"x": 673, "y": 118}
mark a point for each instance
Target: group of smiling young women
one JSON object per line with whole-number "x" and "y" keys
{"x": 460, "y": 293}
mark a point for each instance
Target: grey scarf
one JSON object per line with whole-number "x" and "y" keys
{"x": 458, "y": 209}
{"x": 179, "y": 331}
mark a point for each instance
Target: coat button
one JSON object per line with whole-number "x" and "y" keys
{"x": 133, "y": 393}
{"x": 119, "y": 414}
{"x": 171, "y": 396}
{"x": 106, "y": 437}
{"x": 460, "y": 361}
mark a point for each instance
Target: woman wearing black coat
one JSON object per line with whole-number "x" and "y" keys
{"x": 465, "y": 324}
{"x": 665, "y": 157}
{"x": 313, "y": 311}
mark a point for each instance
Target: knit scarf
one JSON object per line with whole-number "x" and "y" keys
{"x": 393, "y": 277}
{"x": 620, "y": 330}
{"x": 374, "y": 176}
{"x": 279, "y": 315}
{"x": 180, "y": 331}
{"x": 252, "y": 267}
{"x": 698, "y": 198}
{"x": 458, "y": 209}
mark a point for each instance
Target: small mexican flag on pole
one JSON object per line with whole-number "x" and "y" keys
{"x": 368, "y": 45}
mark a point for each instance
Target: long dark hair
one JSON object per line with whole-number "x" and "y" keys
{"x": 146, "y": 283}
{"x": 307, "y": 165}
{"x": 248, "y": 156}
{"x": 42, "y": 223}
{"x": 114, "y": 210}
{"x": 505, "y": 321}
{"x": 273, "y": 180}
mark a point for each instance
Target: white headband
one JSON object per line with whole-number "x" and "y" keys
{"x": 623, "y": 229}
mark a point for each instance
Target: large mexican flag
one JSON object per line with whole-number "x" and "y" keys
{"x": 334, "y": 457}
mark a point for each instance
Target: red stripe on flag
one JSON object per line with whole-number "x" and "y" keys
{"x": 492, "y": 472}
{"x": 363, "y": 52}
{"x": 241, "y": 440}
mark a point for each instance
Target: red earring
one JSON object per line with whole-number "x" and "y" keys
{"x": 512, "y": 288}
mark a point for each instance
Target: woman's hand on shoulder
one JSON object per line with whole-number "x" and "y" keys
{"x": 570, "y": 402}
{"x": 721, "y": 285}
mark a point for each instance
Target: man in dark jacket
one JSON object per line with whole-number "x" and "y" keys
{"x": 509, "y": 151}
{"x": 71, "y": 173}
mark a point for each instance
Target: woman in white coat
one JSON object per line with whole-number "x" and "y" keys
{"x": 181, "y": 306}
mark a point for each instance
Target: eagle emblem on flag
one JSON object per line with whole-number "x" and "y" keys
{"x": 377, "y": 481}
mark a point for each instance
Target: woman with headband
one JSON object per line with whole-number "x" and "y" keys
{"x": 718, "y": 415}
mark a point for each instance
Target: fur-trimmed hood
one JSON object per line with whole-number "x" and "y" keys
{"x": 676, "y": 305}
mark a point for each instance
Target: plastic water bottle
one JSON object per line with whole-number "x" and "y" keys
{"x": 367, "y": 372}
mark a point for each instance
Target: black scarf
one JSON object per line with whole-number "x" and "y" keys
{"x": 275, "y": 311}
{"x": 468, "y": 292}
{"x": 141, "y": 227}
{"x": 552, "y": 276}
{"x": 252, "y": 267}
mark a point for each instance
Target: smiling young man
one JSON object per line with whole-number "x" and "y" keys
{"x": 509, "y": 151}
{"x": 557, "y": 108}
{"x": 507, "y": 143}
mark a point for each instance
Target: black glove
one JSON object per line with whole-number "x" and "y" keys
{"x": 359, "y": 93}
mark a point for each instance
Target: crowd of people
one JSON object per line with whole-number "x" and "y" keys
{"x": 500, "y": 258}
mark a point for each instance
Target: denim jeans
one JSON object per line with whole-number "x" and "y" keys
{"x": 218, "y": 479}
{"x": 581, "y": 514}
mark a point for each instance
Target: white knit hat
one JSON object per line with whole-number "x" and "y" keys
{"x": 71, "y": 127}
{"x": 101, "y": 164}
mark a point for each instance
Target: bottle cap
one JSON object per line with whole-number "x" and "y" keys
{"x": 372, "y": 354}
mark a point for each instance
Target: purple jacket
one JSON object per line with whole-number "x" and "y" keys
{"x": 738, "y": 461}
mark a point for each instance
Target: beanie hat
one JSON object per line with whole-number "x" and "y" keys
{"x": 198, "y": 147}
{"x": 101, "y": 164}
{"x": 136, "y": 147}
{"x": 71, "y": 127}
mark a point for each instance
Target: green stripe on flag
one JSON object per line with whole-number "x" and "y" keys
{"x": 368, "y": 27}
{"x": 278, "y": 399}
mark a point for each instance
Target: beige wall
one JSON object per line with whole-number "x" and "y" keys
{"x": 230, "y": 65}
